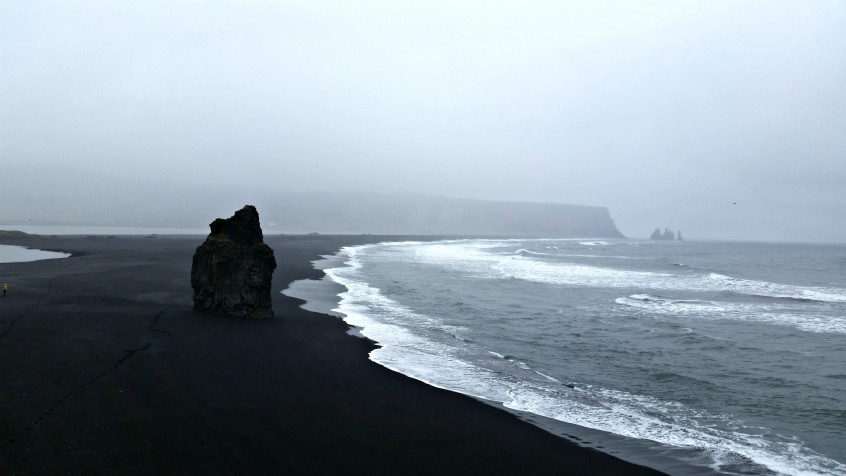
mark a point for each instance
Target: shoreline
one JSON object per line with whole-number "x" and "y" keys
{"x": 105, "y": 368}
{"x": 323, "y": 296}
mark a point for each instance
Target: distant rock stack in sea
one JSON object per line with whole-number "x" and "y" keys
{"x": 232, "y": 270}
{"x": 667, "y": 235}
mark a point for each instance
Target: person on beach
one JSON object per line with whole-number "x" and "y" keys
{"x": 5, "y": 288}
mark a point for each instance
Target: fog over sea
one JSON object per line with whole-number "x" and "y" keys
{"x": 715, "y": 356}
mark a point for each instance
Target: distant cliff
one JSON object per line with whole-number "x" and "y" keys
{"x": 66, "y": 196}
{"x": 410, "y": 213}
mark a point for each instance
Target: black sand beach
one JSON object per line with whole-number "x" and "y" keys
{"x": 105, "y": 369}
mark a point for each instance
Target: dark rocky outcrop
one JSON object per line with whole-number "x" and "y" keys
{"x": 232, "y": 270}
{"x": 667, "y": 235}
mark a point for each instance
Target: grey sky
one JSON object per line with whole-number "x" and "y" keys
{"x": 667, "y": 112}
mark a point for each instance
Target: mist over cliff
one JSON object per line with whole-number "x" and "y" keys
{"x": 63, "y": 195}
{"x": 414, "y": 213}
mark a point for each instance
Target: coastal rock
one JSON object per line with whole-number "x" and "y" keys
{"x": 232, "y": 270}
{"x": 666, "y": 235}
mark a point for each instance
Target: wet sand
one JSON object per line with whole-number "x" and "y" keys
{"x": 105, "y": 369}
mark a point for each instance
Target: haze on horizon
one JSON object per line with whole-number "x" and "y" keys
{"x": 725, "y": 119}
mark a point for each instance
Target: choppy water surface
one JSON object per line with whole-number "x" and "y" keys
{"x": 732, "y": 354}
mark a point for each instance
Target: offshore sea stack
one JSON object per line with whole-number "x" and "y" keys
{"x": 232, "y": 270}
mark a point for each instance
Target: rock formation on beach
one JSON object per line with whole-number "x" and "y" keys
{"x": 232, "y": 270}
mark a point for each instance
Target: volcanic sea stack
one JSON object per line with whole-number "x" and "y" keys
{"x": 232, "y": 270}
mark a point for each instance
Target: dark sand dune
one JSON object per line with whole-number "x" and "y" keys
{"x": 105, "y": 369}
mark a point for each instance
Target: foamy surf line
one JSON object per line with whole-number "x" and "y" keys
{"x": 714, "y": 310}
{"x": 477, "y": 259}
{"x": 441, "y": 365}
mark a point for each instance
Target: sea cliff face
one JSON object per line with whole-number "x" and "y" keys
{"x": 130, "y": 203}
{"x": 411, "y": 213}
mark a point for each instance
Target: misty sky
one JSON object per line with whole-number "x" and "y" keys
{"x": 667, "y": 112}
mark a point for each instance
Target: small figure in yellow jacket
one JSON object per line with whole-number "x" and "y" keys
{"x": 5, "y": 288}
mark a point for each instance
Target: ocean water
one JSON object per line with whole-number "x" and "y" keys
{"x": 19, "y": 254}
{"x": 102, "y": 230}
{"x": 724, "y": 357}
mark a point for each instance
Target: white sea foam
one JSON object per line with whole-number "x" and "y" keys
{"x": 525, "y": 252}
{"x": 765, "y": 313}
{"x": 406, "y": 347}
{"x": 596, "y": 256}
{"x": 670, "y": 306}
{"x": 670, "y": 423}
{"x": 763, "y": 288}
{"x": 478, "y": 259}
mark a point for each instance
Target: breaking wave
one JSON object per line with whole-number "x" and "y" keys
{"x": 425, "y": 348}
{"x": 479, "y": 260}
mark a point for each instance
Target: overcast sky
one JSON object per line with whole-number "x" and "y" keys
{"x": 667, "y": 112}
